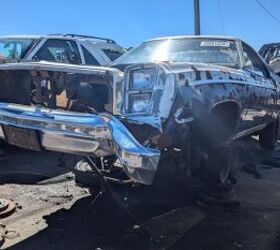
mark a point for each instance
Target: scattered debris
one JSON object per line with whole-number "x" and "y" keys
{"x": 266, "y": 166}
{"x": 36, "y": 222}
{"x": 253, "y": 168}
{"x": 11, "y": 234}
{"x": 167, "y": 228}
{"x": 2, "y": 225}
{"x": 64, "y": 196}
{"x": 237, "y": 244}
{"x": 57, "y": 179}
{"x": 7, "y": 207}
{"x": 44, "y": 199}
{"x": 18, "y": 206}
{"x": 273, "y": 162}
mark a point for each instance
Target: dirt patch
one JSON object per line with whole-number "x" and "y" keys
{"x": 58, "y": 214}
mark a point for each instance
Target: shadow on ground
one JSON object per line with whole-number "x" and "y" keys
{"x": 104, "y": 223}
{"x": 28, "y": 167}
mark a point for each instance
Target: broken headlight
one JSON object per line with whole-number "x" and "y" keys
{"x": 139, "y": 90}
{"x": 139, "y": 103}
{"x": 142, "y": 79}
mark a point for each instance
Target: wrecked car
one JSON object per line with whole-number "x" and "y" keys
{"x": 271, "y": 54}
{"x": 176, "y": 92}
{"x": 60, "y": 48}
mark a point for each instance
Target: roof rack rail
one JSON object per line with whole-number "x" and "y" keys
{"x": 108, "y": 40}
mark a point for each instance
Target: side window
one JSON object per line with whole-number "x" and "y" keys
{"x": 89, "y": 58}
{"x": 252, "y": 62}
{"x": 112, "y": 54}
{"x": 275, "y": 55}
{"x": 269, "y": 55}
{"x": 64, "y": 51}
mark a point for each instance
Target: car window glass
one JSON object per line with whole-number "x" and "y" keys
{"x": 252, "y": 62}
{"x": 89, "y": 58}
{"x": 275, "y": 55}
{"x": 269, "y": 55}
{"x": 64, "y": 51}
{"x": 194, "y": 50}
{"x": 112, "y": 54}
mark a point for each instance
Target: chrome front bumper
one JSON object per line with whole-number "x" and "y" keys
{"x": 84, "y": 134}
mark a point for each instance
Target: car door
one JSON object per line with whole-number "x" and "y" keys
{"x": 261, "y": 90}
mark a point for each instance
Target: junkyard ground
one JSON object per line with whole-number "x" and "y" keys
{"x": 55, "y": 213}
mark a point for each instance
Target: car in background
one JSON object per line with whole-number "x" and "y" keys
{"x": 271, "y": 54}
{"x": 60, "y": 48}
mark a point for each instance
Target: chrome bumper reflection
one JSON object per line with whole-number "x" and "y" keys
{"x": 85, "y": 134}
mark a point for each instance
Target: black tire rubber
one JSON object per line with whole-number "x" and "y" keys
{"x": 268, "y": 137}
{"x": 86, "y": 179}
{"x": 218, "y": 165}
{"x": 217, "y": 186}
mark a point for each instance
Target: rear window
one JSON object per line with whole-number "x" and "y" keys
{"x": 112, "y": 54}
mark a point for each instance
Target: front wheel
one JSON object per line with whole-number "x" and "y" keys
{"x": 217, "y": 186}
{"x": 218, "y": 165}
{"x": 268, "y": 137}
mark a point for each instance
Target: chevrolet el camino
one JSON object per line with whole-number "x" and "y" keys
{"x": 174, "y": 92}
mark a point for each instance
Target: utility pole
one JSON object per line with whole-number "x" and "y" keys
{"x": 196, "y": 17}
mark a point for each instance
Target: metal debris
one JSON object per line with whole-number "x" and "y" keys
{"x": 11, "y": 234}
{"x": 7, "y": 207}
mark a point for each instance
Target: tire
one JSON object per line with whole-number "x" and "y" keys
{"x": 218, "y": 165}
{"x": 216, "y": 176}
{"x": 268, "y": 137}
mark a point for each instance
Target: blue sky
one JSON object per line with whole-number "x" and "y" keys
{"x": 130, "y": 22}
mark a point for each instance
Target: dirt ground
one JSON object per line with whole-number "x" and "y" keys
{"x": 55, "y": 213}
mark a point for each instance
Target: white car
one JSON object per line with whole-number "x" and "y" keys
{"x": 61, "y": 48}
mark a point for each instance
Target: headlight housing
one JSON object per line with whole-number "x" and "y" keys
{"x": 139, "y": 103}
{"x": 139, "y": 90}
{"x": 149, "y": 89}
{"x": 142, "y": 80}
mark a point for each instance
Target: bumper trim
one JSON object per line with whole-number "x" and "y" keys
{"x": 85, "y": 134}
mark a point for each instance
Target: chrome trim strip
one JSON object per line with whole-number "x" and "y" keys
{"x": 227, "y": 81}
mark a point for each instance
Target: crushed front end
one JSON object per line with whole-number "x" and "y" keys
{"x": 100, "y": 135}
{"x": 71, "y": 109}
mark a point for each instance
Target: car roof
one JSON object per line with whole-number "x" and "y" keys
{"x": 92, "y": 39}
{"x": 194, "y": 36}
{"x": 21, "y": 36}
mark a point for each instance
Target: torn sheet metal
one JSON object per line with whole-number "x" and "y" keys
{"x": 56, "y": 85}
{"x": 153, "y": 121}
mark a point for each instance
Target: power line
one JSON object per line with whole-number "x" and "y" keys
{"x": 268, "y": 11}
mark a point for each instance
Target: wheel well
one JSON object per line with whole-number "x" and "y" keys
{"x": 225, "y": 119}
